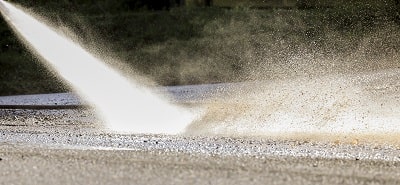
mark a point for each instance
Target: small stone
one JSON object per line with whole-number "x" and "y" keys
{"x": 355, "y": 142}
{"x": 336, "y": 142}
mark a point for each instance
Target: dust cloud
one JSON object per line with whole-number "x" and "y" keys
{"x": 320, "y": 84}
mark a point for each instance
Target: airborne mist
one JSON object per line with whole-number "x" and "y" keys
{"x": 125, "y": 106}
{"x": 317, "y": 75}
{"x": 313, "y": 79}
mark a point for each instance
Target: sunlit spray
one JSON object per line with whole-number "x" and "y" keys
{"x": 363, "y": 106}
{"x": 124, "y": 105}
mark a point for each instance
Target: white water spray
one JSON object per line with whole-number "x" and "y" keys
{"x": 125, "y": 106}
{"x": 361, "y": 106}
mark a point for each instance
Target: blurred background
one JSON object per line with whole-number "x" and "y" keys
{"x": 179, "y": 42}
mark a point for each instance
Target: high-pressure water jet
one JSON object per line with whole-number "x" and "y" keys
{"x": 125, "y": 105}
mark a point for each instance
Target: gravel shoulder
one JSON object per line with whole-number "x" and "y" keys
{"x": 31, "y": 165}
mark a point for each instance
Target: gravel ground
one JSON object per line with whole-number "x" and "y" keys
{"x": 70, "y": 147}
{"x": 30, "y": 165}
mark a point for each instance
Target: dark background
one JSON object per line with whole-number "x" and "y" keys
{"x": 159, "y": 38}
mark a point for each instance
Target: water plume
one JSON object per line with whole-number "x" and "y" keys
{"x": 351, "y": 107}
{"x": 124, "y": 105}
